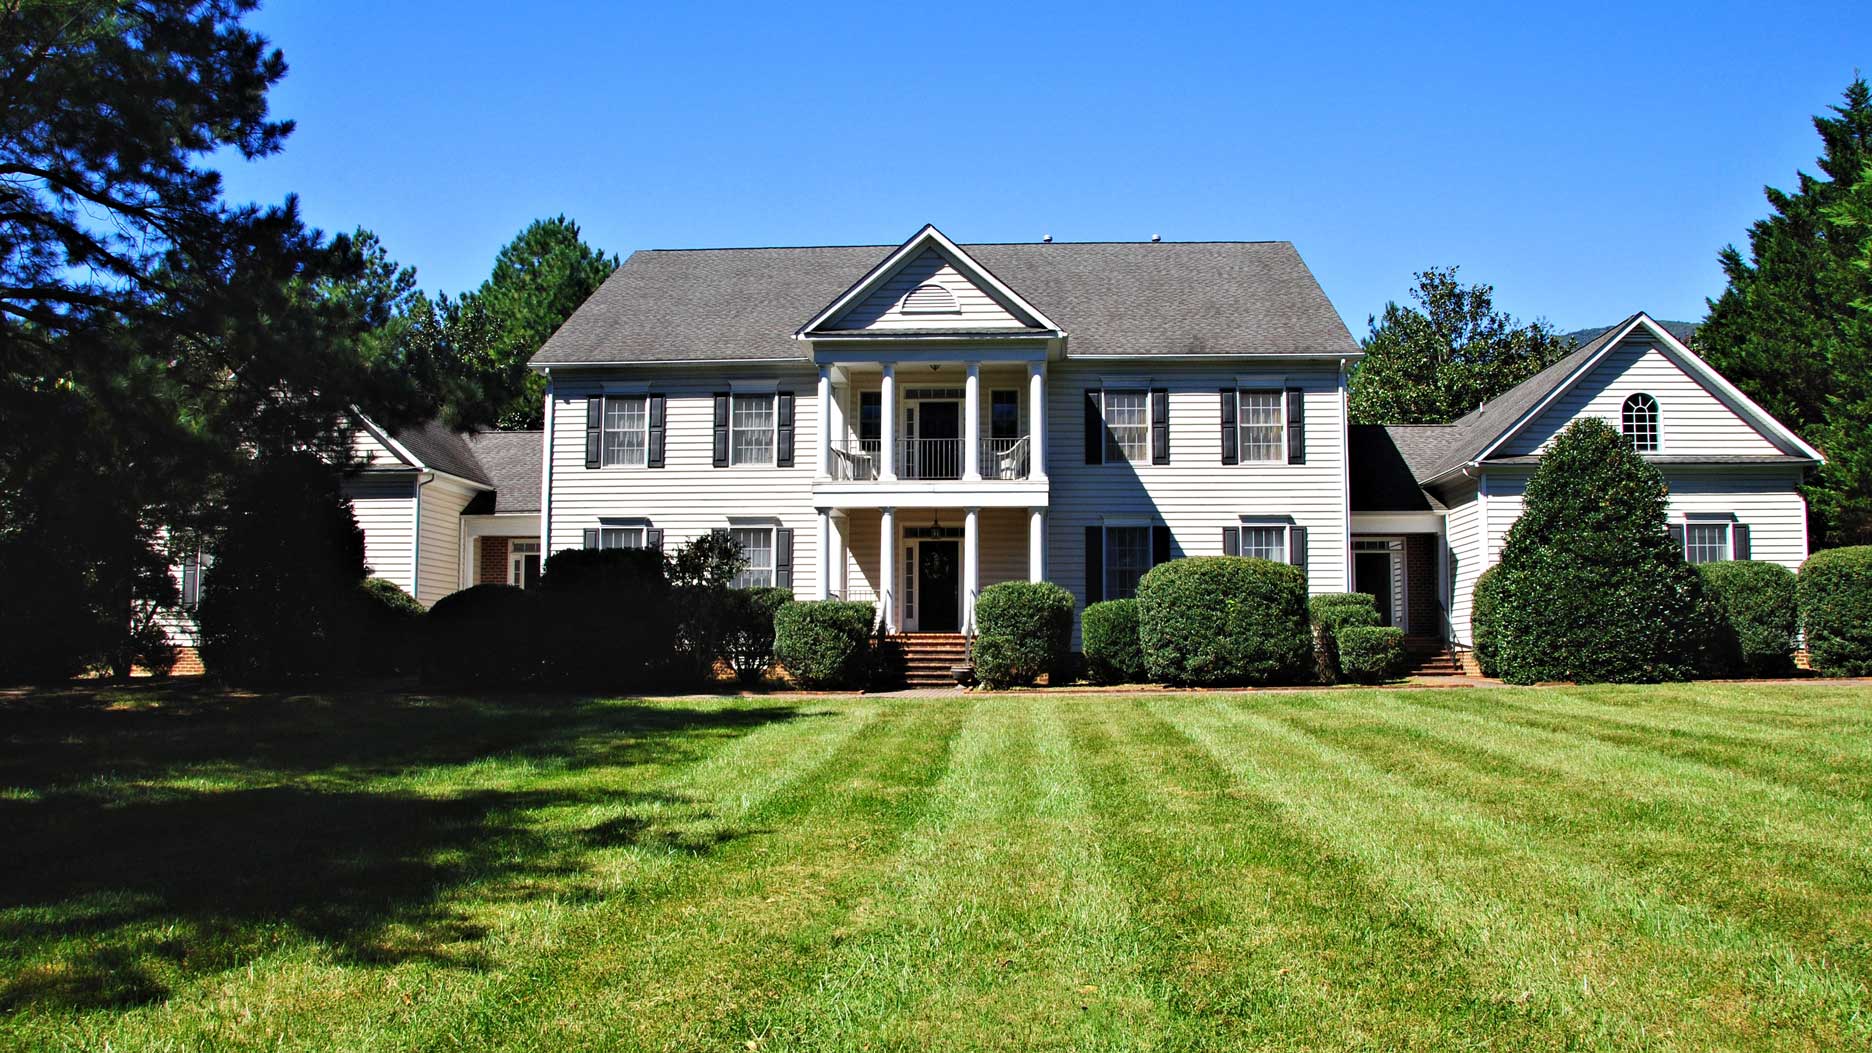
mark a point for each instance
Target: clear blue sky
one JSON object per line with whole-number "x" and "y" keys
{"x": 1587, "y": 162}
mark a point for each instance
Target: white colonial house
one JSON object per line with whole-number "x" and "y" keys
{"x": 907, "y": 425}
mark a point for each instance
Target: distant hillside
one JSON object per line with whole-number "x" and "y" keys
{"x": 1681, "y": 330}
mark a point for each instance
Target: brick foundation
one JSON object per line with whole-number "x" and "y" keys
{"x": 492, "y": 567}
{"x": 188, "y": 663}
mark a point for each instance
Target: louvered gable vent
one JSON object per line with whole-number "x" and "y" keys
{"x": 930, "y": 298}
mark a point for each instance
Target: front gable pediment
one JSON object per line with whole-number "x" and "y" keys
{"x": 928, "y": 284}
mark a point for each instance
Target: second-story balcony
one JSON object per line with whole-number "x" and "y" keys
{"x": 859, "y": 460}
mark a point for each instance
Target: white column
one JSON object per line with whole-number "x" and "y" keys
{"x": 821, "y": 462}
{"x": 971, "y": 566}
{"x": 841, "y": 527}
{"x": 887, "y": 424}
{"x": 887, "y": 567}
{"x": 1036, "y": 420}
{"x": 822, "y": 551}
{"x": 1036, "y": 544}
{"x": 971, "y": 423}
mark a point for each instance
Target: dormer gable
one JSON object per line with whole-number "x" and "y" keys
{"x": 928, "y": 283}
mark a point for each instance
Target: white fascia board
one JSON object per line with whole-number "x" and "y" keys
{"x": 382, "y": 436}
{"x": 1565, "y": 385}
{"x": 1323, "y": 359}
{"x": 1397, "y": 522}
{"x": 920, "y": 356}
{"x": 922, "y": 239}
{"x": 1692, "y": 362}
{"x": 910, "y": 494}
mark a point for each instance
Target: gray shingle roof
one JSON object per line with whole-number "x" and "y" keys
{"x": 1129, "y": 298}
{"x": 444, "y": 450}
{"x": 1382, "y": 480}
{"x": 511, "y": 460}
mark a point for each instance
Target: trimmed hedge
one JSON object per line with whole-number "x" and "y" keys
{"x": 1109, "y": 632}
{"x": 825, "y": 643}
{"x": 1753, "y": 610}
{"x": 1331, "y": 612}
{"x": 481, "y": 637}
{"x": 1214, "y": 620}
{"x": 1485, "y": 618}
{"x": 392, "y": 621}
{"x": 748, "y": 637}
{"x": 1371, "y": 653}
{"x": 1835, "y": 589}
{"x": 606, "y": 617}
{"x": 1022, "y": 629}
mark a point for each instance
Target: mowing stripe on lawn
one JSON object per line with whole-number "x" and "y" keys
{"x": 1564, "y": 919}
{"x": 1260, "y": 935}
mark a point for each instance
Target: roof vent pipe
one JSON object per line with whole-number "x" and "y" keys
{"x": 1156, "y": 237}
{"x": 1046, "y": 239}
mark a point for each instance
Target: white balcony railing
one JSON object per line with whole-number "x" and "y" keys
{"x": 855, "y": 461}
{"x": 930, "y": 459}
{"x": 1005, "y": 458}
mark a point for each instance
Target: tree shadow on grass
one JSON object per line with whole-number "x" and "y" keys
{"x": 175, "y": 834}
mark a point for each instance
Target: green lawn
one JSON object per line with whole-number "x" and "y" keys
{"x": 1681, "y": 867}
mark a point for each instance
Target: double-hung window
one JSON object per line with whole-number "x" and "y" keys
{"x": 751, "y": 430}
{"x": 1127, "y": 558}
{"x": 1127, "y": 426}
{"x": 620, "y": 537}
{"x": 757, "y": 548}
{"x": 1264, "y": 542}
{"x": 1706, "y": 542}
{"x": 626, "y": 431}
{"x": 1263, "y": 417}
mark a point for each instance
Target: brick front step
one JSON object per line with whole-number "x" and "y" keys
{"x": 930, "y": 657}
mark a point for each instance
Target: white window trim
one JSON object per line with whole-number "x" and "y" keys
{"x": 1241, "y": 426}
{"x": 771, "y": 529}
{"x": 1110, "y": 524}
{"x": 1283, "y": 548}
{"x": 516, "y": 576}
{"x": 1723, "y": 520}
{"x": 1657, "y": 407}
{"x": 604, "y": 418}
{"x": 955, "y": 302}
{"x": 1126, "y": 388}
{"x": 772, "y": 399}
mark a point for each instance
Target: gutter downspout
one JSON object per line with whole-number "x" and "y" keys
{"x": 546, "y": 467}
{"x": 416, "y": 537}
{"x": 1345, "y": 465}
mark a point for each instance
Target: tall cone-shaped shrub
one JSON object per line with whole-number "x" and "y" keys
{"x": 1591, "y": 586}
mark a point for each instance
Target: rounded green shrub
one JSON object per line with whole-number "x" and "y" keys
{"x": 1332, "y": 611}
{"x": 1592, "y": 587}
{"x": 1109, "y": 634}
{"x": 391, "y": 620}
{"x": 1215, "y": 620}
{"x": 1835, "y": 589}
{"x": 1753, "y": 612}
{"x": 748, "y": 636}
{"x": 481, "y": 637}
{"x": 1485, "y": 618}
{"x": 1371, "y": 653}
{"x": 1022, "y": 630}
{"x": 824, "y": 643}
{"x": 608, "y": 617}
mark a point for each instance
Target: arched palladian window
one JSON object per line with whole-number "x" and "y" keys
{"x": 930, "y": 298}
{"x": 1640, "y": 422}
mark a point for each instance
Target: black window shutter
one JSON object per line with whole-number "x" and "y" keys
{"x": 1677, "y": 536}
{"x": 1094, "y": 565}
{"x": 1160, "y": 545}
{"x": 783, "y": 558}
{"x": 1094, "y": 427}
{"x": 721, "y": 430}
{"x": 1297, "y": 546}
{"x": 1230, "y": 446}
{"x": 591, "y": 539}
{"x": 1296, "y": 426}
{"x": 783, "y": 416}
{"x": 653, "y": 539}
{"x": 191, "y": 580}
{"x": 594, "y": 431}
{"x": 653, "y": 457}
{"x": 1231, "y": 541}
{"x": 1739, "y": 541}
{"x": 1160, "y": 425}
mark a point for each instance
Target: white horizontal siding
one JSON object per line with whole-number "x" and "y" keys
{"x": 1195, "y": 495}
{"x": 385, "y": 506}
{"x": 1467, "y": 560}
{"x": 367, "y": 452}
{"x": 879, "y": 310}
{"x": 688, "y": 497}
{"x": 442, "y": 504}
{"x": 1692, "y": 420}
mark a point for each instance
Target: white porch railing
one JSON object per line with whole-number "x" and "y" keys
{"x": 1005, "y": 458}
{"x": 929, "y": 458}
{"x": 854, "y": 461}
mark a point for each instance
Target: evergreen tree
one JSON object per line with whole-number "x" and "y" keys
{"x": 1434, "y": 362}
{"x": 1787, "y": 331}
{"x": 539, "y": 279}
{"x": 1590, "y": 585}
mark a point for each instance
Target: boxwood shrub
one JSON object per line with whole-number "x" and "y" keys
{"x": 1835, "y": 589}
{"x": 1753, "y": 610}
{"x": 392, "y": 624}
{"x": 1213, "y": 620}
{"x": 825, "y": 643}
{"x": 1371, "y": 653}
{"x": 1485, "y": 618}
{"x": 1109, "y": 634}
{"x": 1331, "y": 612}
{"x": 481, "y": 637}
{"x": 1022, "y": 630}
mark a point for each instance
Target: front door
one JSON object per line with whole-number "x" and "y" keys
{"x": 1371, "y": 572}
{"x": 940, "y": 452}
{"x": 939, "y": 576}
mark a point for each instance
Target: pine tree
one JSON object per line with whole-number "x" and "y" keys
{"x": 1434, "y": 362}
{"x": 1787, "y": 331}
